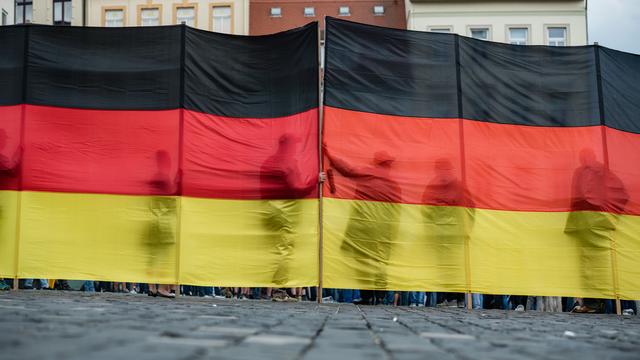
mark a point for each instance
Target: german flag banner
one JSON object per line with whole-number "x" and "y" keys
{"x": 159, "y": 155}
{"x": 461, "y": 165}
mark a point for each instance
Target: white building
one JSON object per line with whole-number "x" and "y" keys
{"x": 6, "y": 12}
{"x": 524, "y": 22}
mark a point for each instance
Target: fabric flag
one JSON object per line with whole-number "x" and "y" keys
{"x": 161, "y": 155}
{"x": 463, "y": 165}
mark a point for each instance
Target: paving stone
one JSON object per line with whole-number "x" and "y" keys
{"x": 74, "y": 325}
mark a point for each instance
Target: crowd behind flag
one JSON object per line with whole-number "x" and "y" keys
{"x": 161, "y": 155}
{"x": 172, "y": 155}
{"x": 462, "y": 165}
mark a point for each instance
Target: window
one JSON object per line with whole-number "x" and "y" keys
{"x": 186, "y": 15}
{"x": 5, "y": 15}
{"x": 344, "y": 11}
{"x": 149, "y": 16}
{"x": 309, "y": 11}
{"x": 557, "y": 36}
{"x": 440, "y": 29}
{"x": 518, "y": 35}
{"x": 62, "y": 12}
{"x": 479, "y": 33}
{"x": 378, "y": 10}
{"x": 24, "y": 11}
{"x": 113, "y": 17}
{"x": 276, "y": 12}
{"x": 221, "y": 17}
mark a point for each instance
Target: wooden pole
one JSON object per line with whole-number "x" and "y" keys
{"x": 16, "y": 261}
{"x": 178, "y": 243}
{"x": 19, "y": 200}
{"x": 320, "y": 167}
{"x": 463, "y": 175}
{"x": 605, "y": 156}
{"x": 183, "y": 29}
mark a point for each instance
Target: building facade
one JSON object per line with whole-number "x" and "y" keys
{"x": 270, "y": 16}
{"x": 6, "y": 12}
{"x": 227, "y": 16}
{"x": 51, "y": 12}
{"x": 536, "y": 22}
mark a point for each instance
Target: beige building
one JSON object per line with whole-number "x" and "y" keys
{"x": 524, "y": 22}
{"x": 226, "y": 16}
{"x": 52, "y": 12}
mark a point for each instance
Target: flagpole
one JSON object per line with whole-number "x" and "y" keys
{"x": 320, "y": 168}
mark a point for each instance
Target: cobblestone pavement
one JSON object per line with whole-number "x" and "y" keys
{"x": 74, "y": 325}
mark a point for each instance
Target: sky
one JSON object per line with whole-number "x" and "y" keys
{"x": 615, "y": 24}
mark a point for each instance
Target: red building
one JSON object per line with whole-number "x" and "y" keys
{"x": 270, "y": 16}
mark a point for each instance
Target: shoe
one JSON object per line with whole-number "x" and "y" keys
{"x": 4, "y": 286}
{"x": 583, "y": 310}
{"x": 628, "y": 312}
{"x": 152, "y": 293}
{"x": 133, "y": 291}
{"x": 167, "y": 295}
{"x": 519, "y": 308}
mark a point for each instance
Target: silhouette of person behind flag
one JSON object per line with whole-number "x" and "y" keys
{"x": 281, "y": 178}
{"x": 9, "y": 161}
{"x": 598, "y": 197}
{"x": 9, "y": 171}
{"x": 162, "y": 230}
{"x": 450, "y": 221}
{"x": 372, "y": 229}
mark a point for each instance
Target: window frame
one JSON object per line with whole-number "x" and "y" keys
{"x": 343, "y": 7}
{"x": 313, "y": 11}
{"x": 24, "y": 4}
{"x": 149, "y": 6}
{"x": 432, "y": 28}
{"x": 488, "y": 28}
{"x": 53, "y": 12}
{"x": 551, "y": 26}
{"x": 271, "y": 11}
{"x": 508, "y": 33}
{"x": 193, "y": 5}
{"x": 373, "y": 9}
{"x": 232, "y": 14}
{"x": 114, "y": 8}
